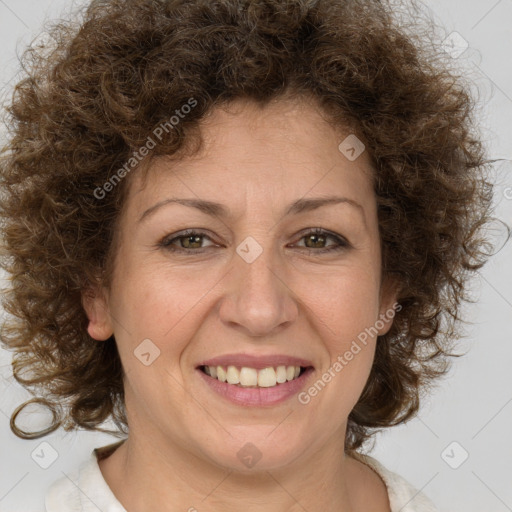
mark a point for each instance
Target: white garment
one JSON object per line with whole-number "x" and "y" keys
{"x": 85, "y": 489}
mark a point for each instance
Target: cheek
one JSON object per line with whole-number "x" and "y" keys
{"x": 344, "y": 303}
{"x": 152, "y": 302}
{"x": 348, "y": 339}
{"x": 166, "y": 307}
{"x": 345, "y": 310}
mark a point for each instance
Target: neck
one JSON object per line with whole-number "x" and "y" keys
{"x": 147, "y": 473}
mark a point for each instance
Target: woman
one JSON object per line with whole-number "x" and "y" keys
{"x": 242, "y": 231}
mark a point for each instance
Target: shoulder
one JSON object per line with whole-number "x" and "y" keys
{"x": 402, "y": 495}
{"x": 83, "y": 490}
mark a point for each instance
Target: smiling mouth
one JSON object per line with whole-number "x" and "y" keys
{"x": 247, "y": 377}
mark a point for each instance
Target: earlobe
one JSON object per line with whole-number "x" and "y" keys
{"x": 96, "y": 308}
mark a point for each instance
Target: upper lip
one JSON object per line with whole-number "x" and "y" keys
{"x": 256, "y": 362}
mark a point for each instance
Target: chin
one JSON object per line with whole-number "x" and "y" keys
{"x": 255, "y": 449}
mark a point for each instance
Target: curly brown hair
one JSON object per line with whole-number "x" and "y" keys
{"x": 89, "y": 101}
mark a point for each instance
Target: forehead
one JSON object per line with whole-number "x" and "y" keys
{"x": 251, "y": 154}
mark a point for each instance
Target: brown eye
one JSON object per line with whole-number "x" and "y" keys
{"x": 191, "y": 242}
{"x": 186, "y": 241}
{"x": 317, "y": 240}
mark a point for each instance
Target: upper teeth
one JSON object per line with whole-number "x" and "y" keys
{"x": 246, "y": 377}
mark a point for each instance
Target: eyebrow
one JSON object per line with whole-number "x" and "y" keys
{"x": 219, "y": 210}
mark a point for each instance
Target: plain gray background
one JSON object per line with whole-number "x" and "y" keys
{"x": 459, "y": 450}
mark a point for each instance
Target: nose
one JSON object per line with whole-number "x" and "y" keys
{"x": 259, "y": 302}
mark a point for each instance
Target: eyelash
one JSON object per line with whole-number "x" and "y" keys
{"x": 341, "y": 243}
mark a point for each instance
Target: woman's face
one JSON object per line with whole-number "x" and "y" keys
{"x": 254, "y": 288}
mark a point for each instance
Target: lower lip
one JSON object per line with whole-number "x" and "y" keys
{"x": 257, "y": 396}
